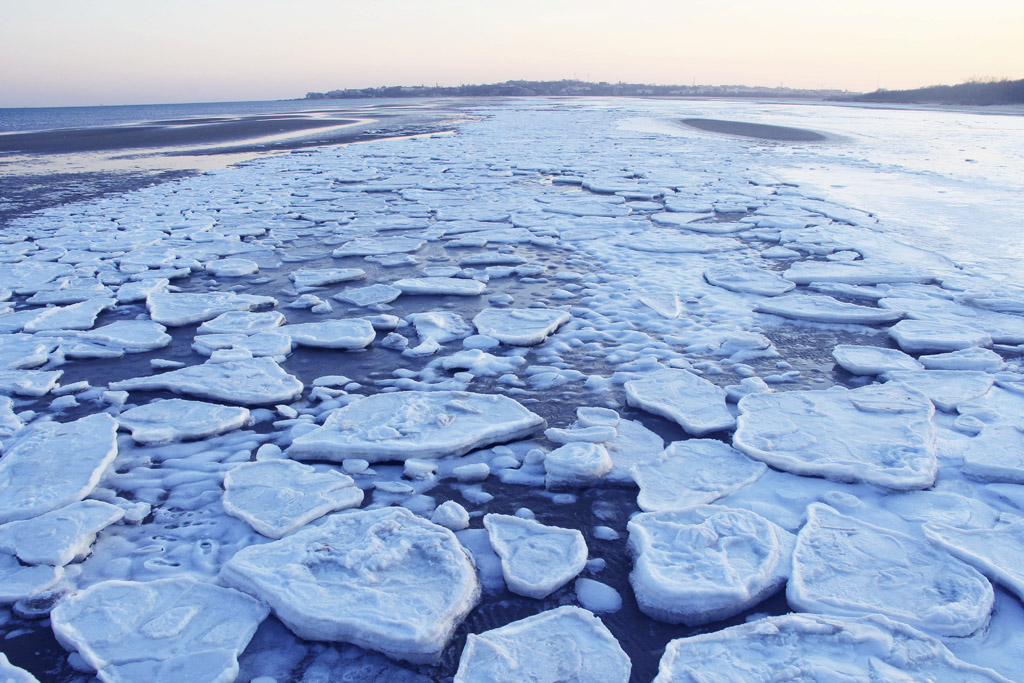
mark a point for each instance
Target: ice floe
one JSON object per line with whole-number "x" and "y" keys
{"x": 53, "y": 464}
{"x": 177, "y": 419}
{"x": 255, "y": 381}
{"x": 59, "y": 536}
{"x": 811, "y": 647}
{"x": 846, "y": 566}
{"x": 825, "y": 309}
{"x": 693, "y": 472}
{"x": 878, "y": 434}
{"x": 536, "y": 559}
{"x": 705, "y": 563}
{"x": 440, "y": 286}
{"x": 420, "y": 424}
{"x": 563, "y": 644}
{"x": 348, "y": 578}
{"x": 998, "y": 553}
{"x": 124, "y": 628}
{"x": 186, "y": 308}
{"x": 679, "y": 395}
{"x": 353, "y": 333}
{"x": 747, "y": 279}
{"x": 519, "y": 326}
{"x": 275, "y": 497}
{"x": 996, "y": 454}
{"x": 872, "y": 360}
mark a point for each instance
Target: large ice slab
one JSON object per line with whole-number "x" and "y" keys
{"x": 880, "y": 434}
{"x": 536, "y": 559}
{"x": 118, "y": 623}
{"x": 13, "y": 674}
{"x": 353, "y": 333}
{"x": 997, "y": 553}
{"x": 811, "y": 647}
{"x": 416, "y": 424}
{"x": 928, "y": 336}
{"x": 872, "y": 360}
{"x": 371, "y": 246}
{"x": 23, "y": 351}
{"x": 996, "y": 454}
{"x": 704, "y": 563}
{"x": 563, "y": 644}
{"x": 843, "y": 565}
{"x": 58, "y": 537}
{"x": 276, "y": 497}
{"x": 747, "y": 279}
{"x": 177, "y": 419}
{"x": 382, "y": 579}
{"x": 80, "y": 316}
{"x": 440, "y": 285}
{"x": 825, "y": 309}
{"x": 54, "y": 464}
{"x": 856, "y": 273}
{"x": 679, "y": 395}
{"x": 243, "y": 322}
{"x": 113, "y": 340}
{"x": 34, "y": 383}
{"x": 19, "y": 581}
{"x": 306, "y": 279}
{"x": 519, "y": 326}
{"x": 945, "y": 388}
{"x": 255, "y": 381}
{"x": 186, "y": 308}
{"x": 693, "y": 472}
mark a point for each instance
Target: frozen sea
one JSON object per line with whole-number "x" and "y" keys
{"x": 532, "y": 389}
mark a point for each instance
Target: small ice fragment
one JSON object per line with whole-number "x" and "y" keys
{"x": 536, "y": 559}
{"x": 577, "y": 464}
{"x": 450, "y": 515}
{"x": 519, "y": 326}
{"x": 693, "y": 402}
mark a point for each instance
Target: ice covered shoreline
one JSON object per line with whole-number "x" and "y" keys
{"x": 587, "y": 293}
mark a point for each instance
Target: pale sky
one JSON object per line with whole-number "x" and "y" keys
{"x": 87, "y": 52}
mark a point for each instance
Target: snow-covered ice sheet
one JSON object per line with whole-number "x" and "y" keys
{"x": 693, "y": 472}
{"x": 879, "y": 434}
{"x": 536, "y": 559}
{"x": 695, "y": 403}
{"x": 347, "y": 579}
{"x": 843, "y": 565}
{"x": 563, "y": 644}
{"x": 815, "y": 647}
{"x": 422, "y": 424}
{"x": 250, "y": 381}
{"x": 176, "y": 419}
{"x": 705, "y": 563}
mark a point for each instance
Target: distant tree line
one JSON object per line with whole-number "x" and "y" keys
{"x": 568, "y": 88}
{"x": 975, "y": 92}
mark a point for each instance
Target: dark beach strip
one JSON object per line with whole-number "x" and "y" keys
{"x": 755, "y": 130}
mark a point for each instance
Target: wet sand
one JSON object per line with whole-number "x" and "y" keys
{"x": 755, "y": 130}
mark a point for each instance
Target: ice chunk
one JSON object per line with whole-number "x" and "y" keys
{"x": 118, "y": 624}
{"x": 998, "y": 553}
{"x": 32, "y": 383}
{"x": 9, "y": 422}
{"x": 232, "y": 267}
{"x": 593, "y": 416}
{"x": 352, "y": 333}
{"x": 275, "y": 497}
{"x": 842, "y": 565}
{"x": 370, "y": 295}
{"x": 18, "y": 581}
{"x": 679, "y": 395}
{"x": 519, "y": 326}
{"x": 20, "y": 351}
{"x": 120, "y": 337}
{"x": 306, "y": 279}
{"x": 257, "y": 381}
{"x": 382, "y": 579}
{"x": 705, "y": 563}
{"x": 974, "y": 358}
{"x": 880, "y": 434}
{"x": 58, "y": 537}
{"x": 440, "y": 326}
{"x": 416, "y": 424}
{"x": 372, "y": 246}
{"x": 946, "y": 388}
{"x": 451, "y": 515}
{"x": 80, "y": 316}
{"x": 667, "y": 242}
{"x": 177, "y": 419}
{"x": 536, "y": 559}
{"x": 693, "y": 472}
{"x": 131, "y": 292}
{"x": 856, "y": 273}
{"x": 810, "y": 647}
{"x": 745, "y": 279}
{"x": 440, "y": 286}
{"x": 577, "y": 464}
{"x": 596, "y": 596}
{"x": 243, "y": 322}
{"x": 54, "y": 464}
{"x": 177, "y": 309}
{"x": 872, "y": 360}
{"x": 923, "y": 336}
{"x": 259, "y": 344}
{"x": 563, "y": 644}
{"x": 13, "y": 674}
{"x": 825, "y": 309}
{"x": 996, "y": 454}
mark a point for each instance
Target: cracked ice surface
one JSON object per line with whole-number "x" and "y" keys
{"x": 616, "y": 246}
